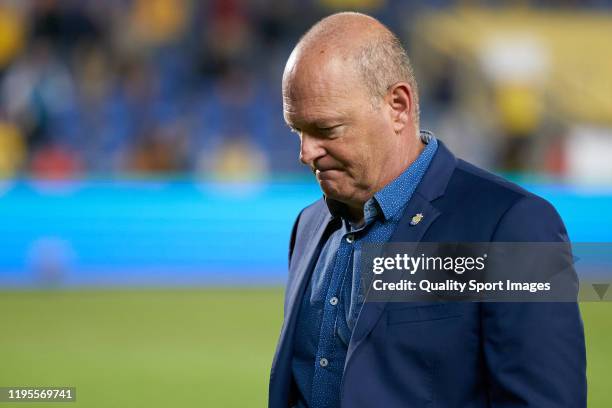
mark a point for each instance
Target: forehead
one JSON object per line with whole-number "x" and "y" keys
{"x": 312, "y": 89}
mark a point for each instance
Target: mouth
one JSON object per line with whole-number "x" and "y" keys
{"x": 326, "y": 174}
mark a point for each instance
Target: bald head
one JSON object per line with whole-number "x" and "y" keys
{"x": 363, "y": 46}
{"x": 344, "y": 30}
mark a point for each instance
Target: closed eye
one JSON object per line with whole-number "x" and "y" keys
{"x": 327, "y": 129}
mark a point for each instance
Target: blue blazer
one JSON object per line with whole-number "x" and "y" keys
{"x": 459, "y": 354}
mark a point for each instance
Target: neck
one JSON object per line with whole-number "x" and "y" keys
{"x": 409, "y": 153}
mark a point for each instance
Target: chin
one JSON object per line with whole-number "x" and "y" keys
{"x": 334, "y": 192}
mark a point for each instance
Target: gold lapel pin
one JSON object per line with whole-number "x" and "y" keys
{"x": 416, "y": 219}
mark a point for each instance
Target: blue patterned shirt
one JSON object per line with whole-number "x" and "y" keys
{"x": 332, "y": 300}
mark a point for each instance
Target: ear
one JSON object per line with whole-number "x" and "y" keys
{"x": 400, "y": 99}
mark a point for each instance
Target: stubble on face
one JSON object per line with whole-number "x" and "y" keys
{"x": 330, "y": 93}
{"x": 323, "y": 76}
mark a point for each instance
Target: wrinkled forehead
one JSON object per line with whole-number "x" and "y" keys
{"x": 315, "y": 102}
{"x": 314, "y": 74}
{"x": 320, "y": 79}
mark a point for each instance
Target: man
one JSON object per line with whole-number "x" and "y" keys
{"x": 350, "y": 95}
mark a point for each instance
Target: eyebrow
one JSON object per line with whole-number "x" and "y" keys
{"x": 319, "y": 123}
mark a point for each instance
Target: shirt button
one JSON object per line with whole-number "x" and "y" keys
{"x": 323, "y": 362}
{"x": 350, "y": 238}
{"x": 333, "y": 301}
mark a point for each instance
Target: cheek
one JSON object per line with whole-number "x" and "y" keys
{"x": 363, "y": 167}
{"x": 360, "y": 153}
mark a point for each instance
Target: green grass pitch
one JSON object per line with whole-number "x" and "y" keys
{"x": 177, "y": 347}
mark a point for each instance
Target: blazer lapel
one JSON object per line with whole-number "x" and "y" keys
{"x": 405, "y": 232}
{"x": 304, "y": 263}
{"x": 432, "y": 186}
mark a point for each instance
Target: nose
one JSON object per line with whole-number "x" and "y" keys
{"x": 310, "y": 149}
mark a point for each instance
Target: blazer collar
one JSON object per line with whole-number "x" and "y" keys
{"x": 435, "y": 180}
{"x": 432, "y": 186}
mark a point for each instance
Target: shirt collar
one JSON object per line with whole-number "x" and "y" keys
{"x": 389, "y": 199}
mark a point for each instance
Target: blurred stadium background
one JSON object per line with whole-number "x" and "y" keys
{"x": 148, "y": 183}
